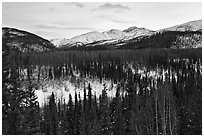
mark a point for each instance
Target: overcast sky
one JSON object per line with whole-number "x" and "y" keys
{"x": 52, "y": 20}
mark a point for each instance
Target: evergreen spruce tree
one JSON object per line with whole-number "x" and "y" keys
{"x": 93, "y": 125}
{"x": 64, "y": 118}
{"x": 84, "y": 113}
{"x": 53, "y": 115}
{"x": 104, "y": 118}
{"x": 76, "y": 115}
{"x": 116, "y": 114}
{"x": 82, "y": 122}
{"x": 70, "y": 116}
{"x": 32, "y": 112}
{"x": 17, "y": 104}
{"x": 12, "y": 98}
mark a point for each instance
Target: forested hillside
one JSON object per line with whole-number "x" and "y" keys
{"x": 22, "y": 41}
{"x": 168, "y": 39}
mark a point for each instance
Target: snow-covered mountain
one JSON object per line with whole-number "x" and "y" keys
{"x": 118, "y": 37}
{"x": 189, "y": 26}
{"x": 184, "y": 35}
{"x": 135, "y": 31}
{"x": 108, "y": 36}
{"x": 87, "y": 38}
{"x": 59, "y": 41}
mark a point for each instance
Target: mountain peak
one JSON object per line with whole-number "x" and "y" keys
{"x": 130, "y": 29}
{"x": 114, "y": 30}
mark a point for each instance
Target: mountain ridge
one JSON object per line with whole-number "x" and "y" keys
{"x": 124, "y": 35}
{"x": 24, "y": 41}
{"x": 113, "y": 34}
{"x": 188, "y": 26}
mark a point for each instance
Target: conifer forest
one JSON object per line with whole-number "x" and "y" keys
{"x": 105, "y": 92}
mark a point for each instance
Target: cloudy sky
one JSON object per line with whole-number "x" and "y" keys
{"x": 65, "y": 20}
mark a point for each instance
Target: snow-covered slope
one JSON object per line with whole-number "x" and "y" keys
{"x": 87, "y": 38}
{"x": 117, "y": 38}
{"x": 189, "y": 26}
{"x": 108, "y": 36}
{"x": 94, "y": 36}
{"x": 59, "y": 41}
{"x": 135, "y": 31}
{"x": 114, "y": 34}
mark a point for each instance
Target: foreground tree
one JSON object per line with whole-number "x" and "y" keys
{"x": 18, "y": 104}
{"x": 104, "y": 113}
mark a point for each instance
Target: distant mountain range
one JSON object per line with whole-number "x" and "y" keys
{"x": 116, "y": 38}
{"x": 108, "y": 36}
{"x": 187, "y": 35}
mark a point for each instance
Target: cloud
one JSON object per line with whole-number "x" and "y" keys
{"x": 121, "y": 21}
{"x": 113, "y": 12}
{"x": 116, "y": 19}
{"x": 77, "y": 4}
{"x": 109, "y": 6}
{"x": 45, "y": 33}
{"x": 57, "y": 26}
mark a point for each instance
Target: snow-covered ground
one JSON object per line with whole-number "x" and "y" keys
{"x": 66, "y": 85}
{"x": 63, "y": 87}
